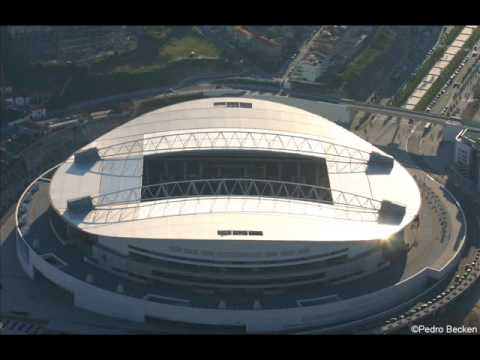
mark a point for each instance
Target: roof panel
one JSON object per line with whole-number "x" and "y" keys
{"x": 201, "y": 217}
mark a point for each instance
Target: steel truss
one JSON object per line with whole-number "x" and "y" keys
{"x": 238, "y": 187}
{"x": 339, "y": 158}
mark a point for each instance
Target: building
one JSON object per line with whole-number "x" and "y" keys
{"x": 467, "y": 155}
{"x": 20, "y": 100}
{"x": 38, "y": 112}
{"x": 5, "y": 90}
{"x": 310, "y": 68}
{"x": 255, "y": 42}
{"x": 229, "y": 215}
{"x": 450, "y": 131}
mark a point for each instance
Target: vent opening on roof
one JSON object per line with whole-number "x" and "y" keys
{"x": 379, "y": 164}
{"x": 87, "y": 156}
{"x": 391, "y": 213}
{"x": 233, "y": 104}
{"x": 80, "y": 205}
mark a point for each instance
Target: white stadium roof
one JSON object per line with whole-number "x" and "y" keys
{"x": 265, "y": 126}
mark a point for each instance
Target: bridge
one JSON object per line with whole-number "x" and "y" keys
{"x": 274, "y": 87}
{"x": 409, "y": 114}
{"x": 361, "y": 106}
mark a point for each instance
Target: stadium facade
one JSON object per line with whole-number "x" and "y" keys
{"x": 227, "y": 214}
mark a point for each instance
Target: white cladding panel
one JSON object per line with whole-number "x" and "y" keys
{"x": 200, "y": 219}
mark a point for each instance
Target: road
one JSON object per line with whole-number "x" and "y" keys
{"x": 384, "y": 132}
{"x": 408, "y": 114}
{"x": 452, "y": 91}
{"x": 469, "y": 199}
{"x": 357, "y": 106}
{"x": 414, "y": 140}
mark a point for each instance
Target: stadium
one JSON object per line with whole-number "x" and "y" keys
{"x": 231, "y": 215}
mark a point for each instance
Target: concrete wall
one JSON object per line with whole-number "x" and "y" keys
{"x": 354, "y": 268}
{"x": 90, "y": 297}
{"x": 450, "y": 132}
{"x": 463, "y": 155}
{"x": 232, "y": 250}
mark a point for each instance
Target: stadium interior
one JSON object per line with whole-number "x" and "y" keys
{"x": 269, "y": 168}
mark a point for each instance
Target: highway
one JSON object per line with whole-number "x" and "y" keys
{"x": 456, "y": 86}
{"x": 409, "y": 114}
{"x": 267, "y": 85}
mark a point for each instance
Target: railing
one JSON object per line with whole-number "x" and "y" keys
{"x": 238, "y": 187}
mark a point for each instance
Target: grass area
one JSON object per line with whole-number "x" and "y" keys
{"x": 447, "y": 72}
{"x": 182, "y": 47}
{"x": 99, "y": 85}
{"x": 412, "y": 84}
{"x": 135, "y": 70}
{"x": 158, "y": 46}
{"x": 380, "y": 44}
{"x": 425, "y": 68}
{"x": 472, "y": 39}
{"x": 452, "y": 34}
{"x": 161, "y": 58}
{"x": 159, "y": 33}
{"x": 239, "y": 81}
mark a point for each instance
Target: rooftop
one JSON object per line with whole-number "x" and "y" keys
{"x": 473, "y": 135}
{"x": 209, "y": 124}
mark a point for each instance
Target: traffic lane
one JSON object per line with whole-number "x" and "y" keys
{"x": 460, "y": 78}
{"x": 472, "y": 211}
{"x": 446, "y": 98}
{"x": 451, "y": 89}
